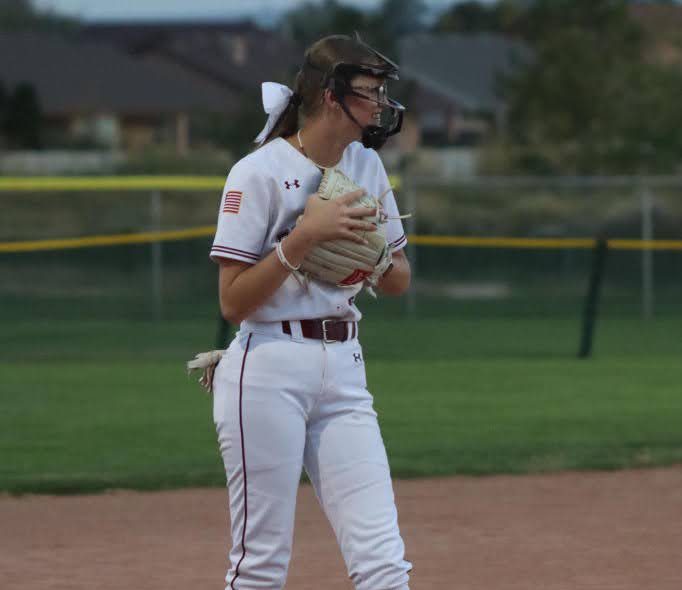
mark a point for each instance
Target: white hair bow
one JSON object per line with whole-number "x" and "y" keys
{"x": 275, "y": 100}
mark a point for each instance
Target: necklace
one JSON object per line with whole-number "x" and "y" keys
{"x": 300, "y": 144}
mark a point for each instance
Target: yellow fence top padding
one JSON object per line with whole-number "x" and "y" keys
{"x": 119, "y": 183}
{"x": 440, "y": 241}
{"x": 543, "y": 243}
{"x": 476, "y": 242}
{"x": 110, "y": 183}
{"x": 110, "y": 240}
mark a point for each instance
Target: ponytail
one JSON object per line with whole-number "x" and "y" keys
{"x": 288, "y": 122}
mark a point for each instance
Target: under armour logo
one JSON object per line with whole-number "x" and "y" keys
{"x": 290, "y": 184}
{"x": 357, "y": 357}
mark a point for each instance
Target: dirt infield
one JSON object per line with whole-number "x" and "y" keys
{"x": 570, "y": 531}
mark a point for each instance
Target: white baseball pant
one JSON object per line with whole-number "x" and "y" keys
{"x": 285, "y": 402}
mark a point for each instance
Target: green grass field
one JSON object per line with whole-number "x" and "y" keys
{"x": 92, "y": 405}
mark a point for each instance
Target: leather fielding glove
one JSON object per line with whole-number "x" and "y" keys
{"x": 345, "y": 263}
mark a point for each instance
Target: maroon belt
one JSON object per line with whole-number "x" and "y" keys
{"x": 327, "y": 330}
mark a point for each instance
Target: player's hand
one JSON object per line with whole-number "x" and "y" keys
{"x": 324, "y": 220}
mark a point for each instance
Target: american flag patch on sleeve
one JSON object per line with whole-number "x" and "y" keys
{"x": 233, "y": 200}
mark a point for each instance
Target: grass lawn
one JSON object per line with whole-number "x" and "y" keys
{"x": 88, "y": 406}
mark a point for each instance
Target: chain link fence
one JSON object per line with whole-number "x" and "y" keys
{"x": 481, "y": 249}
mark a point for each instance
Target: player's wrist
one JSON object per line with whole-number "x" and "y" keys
{"x": 297, "y": 245}
{"x": 279, "y": 249}
{"x": 305, "y": 233}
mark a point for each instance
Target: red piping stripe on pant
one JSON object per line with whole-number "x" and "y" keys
{"x": 241, "y": 432}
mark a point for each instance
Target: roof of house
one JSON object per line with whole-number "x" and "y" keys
{"x": 235, "y": 54}
{"x": 465, "y": 68}
{"x": 72, "y": 76}
{"x": 134, "y": 36}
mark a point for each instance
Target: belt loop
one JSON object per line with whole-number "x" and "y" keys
{"x": 296, "y": 333}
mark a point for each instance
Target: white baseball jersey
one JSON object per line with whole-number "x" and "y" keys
{"x": 264, "y": 194}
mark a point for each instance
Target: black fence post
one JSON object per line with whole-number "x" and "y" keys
{"x": 592, "y": 298}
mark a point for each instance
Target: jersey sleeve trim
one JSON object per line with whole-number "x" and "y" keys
{"x": 399, "y": 243}
{"x": 225, "y": 252}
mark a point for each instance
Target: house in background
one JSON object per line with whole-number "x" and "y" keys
{"x": 94, "y": 94}
{"x": 453, "y": 79}
{"x": 130, "y": 85}
{"x": 457, "y": 83}
{"x": 238, "y": 56}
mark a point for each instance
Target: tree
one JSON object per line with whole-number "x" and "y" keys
{"x": 610, "y": 18}
{"x": 395, "y": 19}
{"x": 590, "y": 97}
{"x": 16, "y": 10}
{"x": 646, "y": 113}
{"x": 309, "y": 22}
{"x": 21, "y": 15}
{"x": 473, "y": 17}
{"x": 23, "y": 119}
{"x": 380, "y": 28}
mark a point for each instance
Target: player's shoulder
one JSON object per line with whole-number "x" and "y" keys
{"x": 364, "y": 158}
{"x": 362, "y": 161}
{"x": 258, "y": 162}
{"x": 358, "y": 152}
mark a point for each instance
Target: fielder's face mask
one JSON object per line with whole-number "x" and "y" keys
{"x": 339, "y": 81}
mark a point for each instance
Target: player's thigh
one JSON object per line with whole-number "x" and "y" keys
{"x": 346, "y": 460}
{"x": 257, "y": 420}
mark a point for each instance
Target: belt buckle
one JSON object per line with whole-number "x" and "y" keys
{"x": 324, "y": 332}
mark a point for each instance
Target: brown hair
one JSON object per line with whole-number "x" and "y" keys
{"x": 319, "y": 59}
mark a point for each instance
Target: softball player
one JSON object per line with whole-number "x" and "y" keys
{"x": 290, "y": 391}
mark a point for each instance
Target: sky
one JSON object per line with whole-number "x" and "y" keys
{"x": 264, "y": 11}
